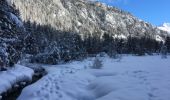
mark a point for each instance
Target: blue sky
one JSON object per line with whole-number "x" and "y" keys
{"x": 155, "y": 12}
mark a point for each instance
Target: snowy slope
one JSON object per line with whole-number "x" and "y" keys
{"x": 165, "y": 27}
{"x": 133, "y": 78}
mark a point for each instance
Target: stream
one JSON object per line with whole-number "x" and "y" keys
{"x": 14, "y": 93}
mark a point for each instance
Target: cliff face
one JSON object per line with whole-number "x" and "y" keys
{"x": 11, "y": 35}
{"x": 84, "y": 17}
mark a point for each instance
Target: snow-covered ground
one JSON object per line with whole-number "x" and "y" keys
{"x": 14, "y": 75}
{"x": 133, "y": 78}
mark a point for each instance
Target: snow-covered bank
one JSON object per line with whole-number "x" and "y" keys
{"x": 14, "y": 75}
{"x": 133, "y": 78}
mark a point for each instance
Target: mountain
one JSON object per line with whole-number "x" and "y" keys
{"x": 165, "y": 27}
{"x": 84, "y": 17}
{"x": 62, "y": 30}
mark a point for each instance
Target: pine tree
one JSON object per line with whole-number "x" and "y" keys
{"x": 167, "y": 43}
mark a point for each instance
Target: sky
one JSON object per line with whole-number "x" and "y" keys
{"x": 155, "y": 12}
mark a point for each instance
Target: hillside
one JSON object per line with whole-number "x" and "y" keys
{"x": 84, "y": 17}
{"x": 62, "y": 30}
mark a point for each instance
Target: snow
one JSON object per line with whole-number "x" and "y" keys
{"x": 54, "y": 15}
{"x": 165, "y": 27}
{"x": 7, "y": 39}
{"x": 16, "y": 20}
{"x": 121, "y": 36}
{"x": 159, "y": 39}
{"x": 110, "y": 18}
{"x": 17, "y": 74}
{"x": 132, "y": 78}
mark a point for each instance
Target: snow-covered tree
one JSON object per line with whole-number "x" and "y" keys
{"x": 164, "y": 52}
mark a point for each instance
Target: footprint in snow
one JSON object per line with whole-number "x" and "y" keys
{"x": 51, "y": 91}
{"x": 46, "y": 96}
{"x": 57, "y": 87}
{"x": 38, "y": 92}
{"x": 151, "y": 96}
{"x": 60, "y": 95}
{"x": 46, "y": 85}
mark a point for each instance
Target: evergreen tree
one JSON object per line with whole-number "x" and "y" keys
{"x": 167, "y": 43}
